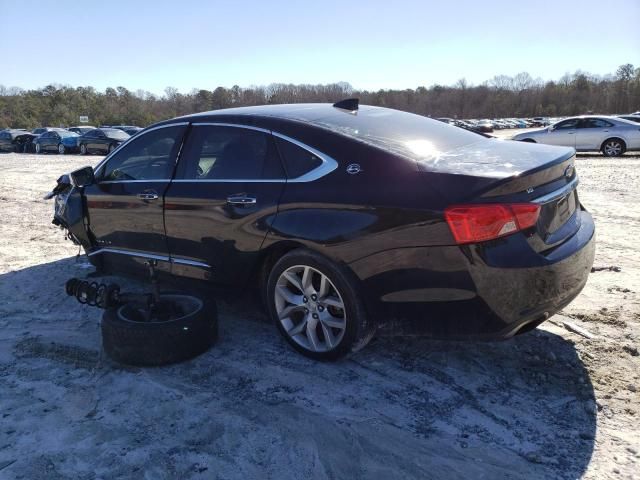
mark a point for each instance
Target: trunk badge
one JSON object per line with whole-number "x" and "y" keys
{"x": 568, "y": 172}
{"x": 354, "y": 168}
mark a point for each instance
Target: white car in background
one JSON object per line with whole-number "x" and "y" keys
{"x": 611, "y": 135}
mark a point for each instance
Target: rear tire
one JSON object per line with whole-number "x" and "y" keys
{"x": 613, "y": 147}
{"x": 83, "y": 149}
{"x": 38, "y": 148}
{"x": 316, "y": 306}
{"x": 128, "y": 340}
{"x": 112, "y": 147}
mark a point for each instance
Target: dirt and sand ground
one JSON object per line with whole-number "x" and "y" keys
{"x": 548, "y": 404}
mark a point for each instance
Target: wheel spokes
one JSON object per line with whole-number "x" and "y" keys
{"x": 310, "y": 309}
{"x": 288, "y": 296}
{"x": 297, "y": 329}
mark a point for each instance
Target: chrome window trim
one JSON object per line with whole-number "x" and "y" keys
{"x": 166, "y": 180}
{"x": 328, "y": 163}
{"x": 153, "y": 256}
{"x": 139, "y": 135}
{"x": 561, "y": 192}
{"x": 233, "y": 125}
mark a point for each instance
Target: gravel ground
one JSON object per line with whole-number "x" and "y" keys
{"x": 547, "y": 404}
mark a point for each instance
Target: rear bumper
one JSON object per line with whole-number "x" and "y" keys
{"x": 453, "y": 292}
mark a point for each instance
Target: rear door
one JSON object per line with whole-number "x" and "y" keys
{"x": 222, "y": 202}
{"x": 563, "y": 133}
{"x": 591, "y": 133}
{"x": 125, "y": 204}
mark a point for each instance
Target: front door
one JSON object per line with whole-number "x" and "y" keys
{"x": 563, "y": 133}
{"x": 125, "y": 205}
{"x": 222, "y": 202}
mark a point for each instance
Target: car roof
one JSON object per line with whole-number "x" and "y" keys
{"x": 287, "y": 111}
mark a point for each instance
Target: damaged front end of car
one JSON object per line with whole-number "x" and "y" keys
{"x": 70, "y": 206}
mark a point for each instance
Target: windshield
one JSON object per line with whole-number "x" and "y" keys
{"x": 407, "y": 134}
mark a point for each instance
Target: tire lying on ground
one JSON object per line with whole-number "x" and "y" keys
{"x": 127, "y": 338}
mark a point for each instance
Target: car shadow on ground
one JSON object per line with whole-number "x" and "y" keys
{"x": 251, "y": 407}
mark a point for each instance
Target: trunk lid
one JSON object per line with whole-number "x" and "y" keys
{"x": 515, "y": 172}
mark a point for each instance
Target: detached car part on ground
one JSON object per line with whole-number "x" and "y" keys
{"x": 151, "y": 329}
{"x": 350, "y": 219}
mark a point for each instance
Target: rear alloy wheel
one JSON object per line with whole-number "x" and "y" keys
{"x": 83, "y": 149}
{"x": 38, "y": 148}
{"x": 61, "y": 149}
{"x": 613, "y": 147}
{"x": 315, "y": 306}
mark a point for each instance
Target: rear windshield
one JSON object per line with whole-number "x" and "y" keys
{"x": 115, "y": 133}
{"x": 413, "y": 136}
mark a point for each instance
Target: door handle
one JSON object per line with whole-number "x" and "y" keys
{"x": 241, "y": 200}
{"x": 148, "y": 195}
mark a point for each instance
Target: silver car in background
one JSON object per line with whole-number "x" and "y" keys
{"x": 611, "y": 135}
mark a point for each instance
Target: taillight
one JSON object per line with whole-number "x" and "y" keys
{"x": 479, "y": 223}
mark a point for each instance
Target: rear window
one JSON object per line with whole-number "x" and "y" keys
{"x": 407, "y": 134}
{"x": 297, "y": 160}
{"x": 115, "y": 133}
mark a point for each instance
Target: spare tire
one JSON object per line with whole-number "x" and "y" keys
{"x": 130, "y": 340}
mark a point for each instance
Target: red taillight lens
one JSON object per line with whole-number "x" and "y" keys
{"x": 478, "y": 223}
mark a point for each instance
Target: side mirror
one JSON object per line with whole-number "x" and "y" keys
{"x": 83, "y": 177}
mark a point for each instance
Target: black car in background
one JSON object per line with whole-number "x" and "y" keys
{"x": 81, "y": 130}
{"x": 348, "y": 219}
{"x": 101, "y": 140}
{"x": 15, "y": 140}
{"x": 60, "y": 141}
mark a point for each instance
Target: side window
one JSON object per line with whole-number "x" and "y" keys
{"x": 297, "y": 160}
{"x": 567, "y": 124}
{"x": 596, "y": 123}
{"x": 229, "y": 153}
{"x": 149, "y": 157}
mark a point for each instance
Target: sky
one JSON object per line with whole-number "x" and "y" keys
{"x": 186, "y": 44}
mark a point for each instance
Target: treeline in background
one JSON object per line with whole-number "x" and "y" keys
{"x": 502, "y": 96}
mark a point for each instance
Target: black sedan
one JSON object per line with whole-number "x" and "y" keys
{"x": 101, "y": 140}
{"x": 349, "y": 219}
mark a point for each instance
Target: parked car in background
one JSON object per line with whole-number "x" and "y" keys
{"x": 132, "y": 130}
{"x": 540, "y": 121}
{"x": 353, "y": 221}
{"x": 485, "y": 126}
{"x": 101, "y": 140}
{"x": 53, "y": 141}
{"x": 81, "y": 130}
{"x": 14, "y": 139}
{"x": 611, "y": 135}
{"x": 631, "y": 118}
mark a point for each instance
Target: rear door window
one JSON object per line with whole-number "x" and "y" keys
{"x": 229, "y": 153}
{"x": 595, "y": 123}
